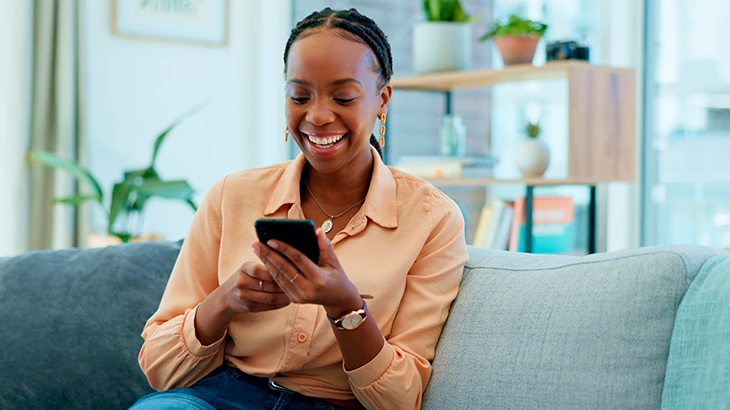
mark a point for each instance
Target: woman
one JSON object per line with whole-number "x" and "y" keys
{"x": 243, "y": 324}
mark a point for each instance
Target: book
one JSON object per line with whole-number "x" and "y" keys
{"x": 502, "y": 233}
{"x": 552, "y": 226}
{"x": 482, "y": 226}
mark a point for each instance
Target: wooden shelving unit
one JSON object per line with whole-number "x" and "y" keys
{"x": 601, "y": 124}
{"x": 601, "y": 112}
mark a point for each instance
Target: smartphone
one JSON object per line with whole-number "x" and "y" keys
{"x": 298, "y": 233}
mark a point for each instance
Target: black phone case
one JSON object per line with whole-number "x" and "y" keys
{"x": 299, "y": 233}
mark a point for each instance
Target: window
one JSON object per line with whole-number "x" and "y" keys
{"x": 687, "y": 123}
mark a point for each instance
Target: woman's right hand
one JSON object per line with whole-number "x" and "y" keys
{"x": 250, "y": 289}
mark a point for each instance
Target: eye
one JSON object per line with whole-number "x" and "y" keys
{"x": 344, "y": 100}
{"x": 299, "y": 100}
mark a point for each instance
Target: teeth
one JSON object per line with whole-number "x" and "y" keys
{"x": 325, "y": 141}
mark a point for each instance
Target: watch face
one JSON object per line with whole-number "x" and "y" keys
{"x": 351, "y": 321}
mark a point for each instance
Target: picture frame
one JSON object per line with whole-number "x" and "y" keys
{"x": 202, "y": 22}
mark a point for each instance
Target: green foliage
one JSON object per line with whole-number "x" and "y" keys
{"x": 129, "y": 195}
{"x": 514, "y": 26}
{"x": 446, "y": 10}
{"x": 532, "y": 129}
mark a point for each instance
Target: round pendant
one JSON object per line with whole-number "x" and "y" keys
{"x": 327, "y": 225}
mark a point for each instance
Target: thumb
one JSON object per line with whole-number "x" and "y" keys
{"x": 326, "y": 253}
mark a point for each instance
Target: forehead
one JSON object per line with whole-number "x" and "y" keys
{"x": 327, "y": 54}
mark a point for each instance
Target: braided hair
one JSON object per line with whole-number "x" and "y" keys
{"x": 355, "y": 27}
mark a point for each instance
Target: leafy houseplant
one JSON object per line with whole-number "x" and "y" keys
{"x": 532, "y": 155}
{"x": 516, "y": 38}
{"x": 443, "y": 41}
{"x": 129, "y": 195}
{"x": 445, "y": 10}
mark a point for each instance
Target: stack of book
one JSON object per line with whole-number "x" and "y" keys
{"x": 502, "y": 225}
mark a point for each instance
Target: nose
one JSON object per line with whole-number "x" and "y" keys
{"x": 319, "y": 113}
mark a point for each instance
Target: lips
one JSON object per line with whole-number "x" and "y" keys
{"x": 324, "y": 143}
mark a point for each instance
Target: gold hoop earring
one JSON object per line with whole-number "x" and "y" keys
{"x": 381, "y": 141}
{"x": 286, "y": 133}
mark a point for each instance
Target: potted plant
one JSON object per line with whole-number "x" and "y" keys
{"x": 516, "y": 38}
{"x": 125, "y": 205}
{"x": 443, "y": 41}
{"x": 532, "y": 155}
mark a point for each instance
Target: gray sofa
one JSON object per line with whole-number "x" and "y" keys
{"x": 644, "y": 329}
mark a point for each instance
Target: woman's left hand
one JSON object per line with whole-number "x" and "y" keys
{"x": 303, "y": 281}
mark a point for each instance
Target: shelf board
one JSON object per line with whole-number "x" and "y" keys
{"x": 454, "y": 80}
{"x": 478, "y": 182}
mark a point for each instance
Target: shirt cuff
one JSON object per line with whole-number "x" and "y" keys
{"x": 191, "y": 339}
{"x": 371, "y": 371}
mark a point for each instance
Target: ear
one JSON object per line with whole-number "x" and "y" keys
{"x": 385, "y": 93}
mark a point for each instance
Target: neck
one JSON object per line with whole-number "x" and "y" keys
{"x": 337, "y": 191}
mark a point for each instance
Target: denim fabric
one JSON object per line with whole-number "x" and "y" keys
{"x": 228, "y": 388}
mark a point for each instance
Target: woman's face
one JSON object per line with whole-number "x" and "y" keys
{"x": 333, "y": 101}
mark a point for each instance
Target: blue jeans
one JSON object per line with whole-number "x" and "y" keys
{"x": 229, "y": 388}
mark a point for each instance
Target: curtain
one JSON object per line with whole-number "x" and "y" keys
{"x": 54, "y": 121}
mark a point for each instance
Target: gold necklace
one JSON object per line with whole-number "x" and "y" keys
{"x": 327, "y": 224}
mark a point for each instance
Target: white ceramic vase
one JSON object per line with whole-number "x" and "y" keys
{"x": 532, "y": 157}
{"x": 441, "y": 46}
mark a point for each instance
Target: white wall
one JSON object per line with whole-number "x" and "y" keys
{"x": 623, "y": 27}
{"x": 135, "y": 88}
{"x": 16, "y": 39}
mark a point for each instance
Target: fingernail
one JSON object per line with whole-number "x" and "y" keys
{"x": 272, "y": 244}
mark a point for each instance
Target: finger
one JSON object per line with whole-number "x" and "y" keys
{"x": 326, "y": 253}
{"x": 301, "y": 261}
{"x": 263, "y": 298}
{"x": 285, "y": 281}
{"x": 256, "y": 270}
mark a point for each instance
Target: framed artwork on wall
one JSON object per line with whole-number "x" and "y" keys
{"x": 202, "y": 22}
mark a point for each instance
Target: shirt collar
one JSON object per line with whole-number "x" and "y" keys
{"x": 380, "y": 204}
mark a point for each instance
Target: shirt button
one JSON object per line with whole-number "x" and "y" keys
{"x": 302, "y": 337}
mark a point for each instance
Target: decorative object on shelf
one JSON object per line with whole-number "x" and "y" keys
{"x": 516, "y": 38}
{"x": 532, "y": 155}
{"x": 443, "y": 41}
{"x": 453, "y": 136}
{"x": 566, "y": 50}
{"x": 200, "y": 21}
{"x": 129, "y": 196}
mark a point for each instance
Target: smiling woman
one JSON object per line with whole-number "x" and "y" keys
{"x": 288, "y": 331}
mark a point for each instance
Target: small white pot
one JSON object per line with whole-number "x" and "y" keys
{"x": 441, "y": 46}
{"x": 532, "y": 157}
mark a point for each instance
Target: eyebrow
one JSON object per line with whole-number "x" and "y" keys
{"x": 336, "y": 82}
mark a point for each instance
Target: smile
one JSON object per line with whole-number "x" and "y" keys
{"x": 324, "y": 143}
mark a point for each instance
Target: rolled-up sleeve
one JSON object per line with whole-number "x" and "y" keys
{"x": 397, "y": 376}
{"x": 172, "y": 356}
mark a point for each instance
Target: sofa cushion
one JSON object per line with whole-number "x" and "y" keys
{"x": 698, "y": 369}
{"x": 546, "y": 331}
{"x": 71, "y": 324}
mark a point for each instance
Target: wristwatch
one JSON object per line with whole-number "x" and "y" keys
{"x": 351, "y": 320}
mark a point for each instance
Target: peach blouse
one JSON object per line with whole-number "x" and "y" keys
{"x": 405, "y": 246}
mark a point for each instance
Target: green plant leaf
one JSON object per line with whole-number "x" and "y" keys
{"x": 161, "y": 138}
{"x": 166, "y": 189}
{"x": 75, "y": 200}
{"x": 80, "y": 173}
{"x": 192, "y": 204}
{"x": 514, "y": 26}
{"x": 119, "y": 203}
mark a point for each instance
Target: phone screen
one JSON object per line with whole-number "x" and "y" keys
{"x": 298, "y": 233}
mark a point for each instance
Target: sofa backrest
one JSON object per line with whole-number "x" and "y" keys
{"x": 545, "y": 331}
{"x": 71, "y": 322}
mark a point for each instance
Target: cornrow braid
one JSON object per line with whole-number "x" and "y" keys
{"x": 361, "y": 29}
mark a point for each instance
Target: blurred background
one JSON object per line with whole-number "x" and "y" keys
{"x": 98, "y": 81}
